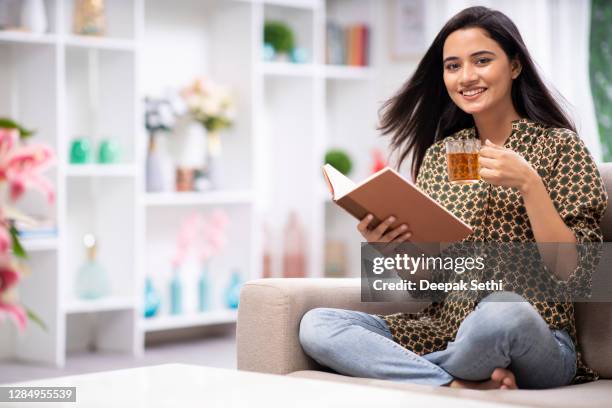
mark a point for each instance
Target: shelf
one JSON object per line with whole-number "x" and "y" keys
{"x": 347, "y": 72}
{"x": 101, "y": 170}
{"x": 195, "y": 198}
{"x": 302, "y": 4}
{"x": 288, "y": 69}
{"x": 102, "y": 43}
{"x": 39, "y": 244}
{"x": 27, "y": 37}
{"x": 189, "y": 320}
{"x": 99, "y": 305}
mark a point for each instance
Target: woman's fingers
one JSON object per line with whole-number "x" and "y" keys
{"x": 383, "y": 226}
{"x": 403, "y": 237}
{"x": 363, "y": 224}
{"x": 487, "y": 162}
{"x": 488, "y": 152}
{"x": 394, "y": 233}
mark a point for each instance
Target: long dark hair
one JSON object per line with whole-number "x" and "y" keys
{"x": 422, "y": 112}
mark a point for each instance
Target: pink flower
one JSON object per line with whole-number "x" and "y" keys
{"x": 22, "y": 167}
{"x": 15, "y": 312}
{"x": 8, "y": 275}
{"x": 213, "y": 235}
{"x": 186, "y": 236}
{"x": 5, "y": 239}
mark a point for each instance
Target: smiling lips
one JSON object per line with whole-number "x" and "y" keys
{"x": 472, "y": 93}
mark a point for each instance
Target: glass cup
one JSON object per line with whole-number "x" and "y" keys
{"x": 462, "y": 161}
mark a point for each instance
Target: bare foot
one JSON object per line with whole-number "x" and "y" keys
{"x": 501, "y": 379}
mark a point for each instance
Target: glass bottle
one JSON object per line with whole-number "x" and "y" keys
{"x": 204, "y": 289}
{"x": 176, "y": 293}
{"x": 232, "y": 292}
{"x": 152, "y": 299}
{"x": 92, "y": 280}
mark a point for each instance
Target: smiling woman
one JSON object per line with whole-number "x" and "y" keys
{"x": 477, "y": 82}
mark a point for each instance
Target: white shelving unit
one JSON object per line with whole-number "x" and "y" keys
{"x": 288, "y": 115}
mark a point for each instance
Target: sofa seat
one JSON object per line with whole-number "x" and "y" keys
{"x": 594, "y": 394}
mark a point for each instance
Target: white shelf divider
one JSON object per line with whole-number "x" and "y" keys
{"x": 168, "y": 322}
{"x": 39, "y": 244}
{"x": 347, "y": 72}
{"x": 299, "y": 4}
{"x": 107, "y": 304}
{"x": 101, "y": 43}
{"x": 101, "y": 170}
{"x": 197, "y": 198}
{"x": 288, "y": 69}
{"x": 27, "y": 37}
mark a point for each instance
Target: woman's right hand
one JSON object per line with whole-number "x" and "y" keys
{"x": 382, "y": 233}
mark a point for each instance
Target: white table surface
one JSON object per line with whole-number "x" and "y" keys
{"x": 186, "y": 386}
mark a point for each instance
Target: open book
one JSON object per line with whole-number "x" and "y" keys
{"x": 386, "y": 193}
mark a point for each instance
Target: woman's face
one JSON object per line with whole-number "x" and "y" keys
{"x": 477, "y": 73}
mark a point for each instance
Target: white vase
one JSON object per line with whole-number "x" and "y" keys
{"x": 34, "y": 16}
{"x": 188, "y": 143}
{"x": 214, "y": 163}
{"x": 154, "y": 168}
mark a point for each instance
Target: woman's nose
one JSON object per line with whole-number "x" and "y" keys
{"x": 468, "y": 75}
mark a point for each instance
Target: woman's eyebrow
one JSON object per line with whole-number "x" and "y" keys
{"x": 474, "y": 54}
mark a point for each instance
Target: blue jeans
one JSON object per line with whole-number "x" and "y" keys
{"x": 503, "y": 331}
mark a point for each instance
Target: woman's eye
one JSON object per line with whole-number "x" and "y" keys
{"x": 452, "y": 66}
{"x": 482, "y": 61}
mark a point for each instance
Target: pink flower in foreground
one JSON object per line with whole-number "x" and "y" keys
{"x": 8, "y": 140}
{"x": 5, "y": 238}
{"x": 22, "y": 168}
{"x": 15, "y": 312}
{"x": 8, "y": 275}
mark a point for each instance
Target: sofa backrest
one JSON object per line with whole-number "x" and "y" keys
{"x": 594, "y": 320}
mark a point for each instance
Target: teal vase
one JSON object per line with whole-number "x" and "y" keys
{"x": 92, "y": 281}
{"x": 204, "y": 289}
{"x": 152, "y": 299}
{"x": 176, "y": 294}
{"x": 232, "y": 292}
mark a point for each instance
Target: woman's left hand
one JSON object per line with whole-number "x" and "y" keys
{"x": 504, "y": 167}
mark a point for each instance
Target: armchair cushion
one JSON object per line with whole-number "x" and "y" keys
{"x": 270, "y": 312}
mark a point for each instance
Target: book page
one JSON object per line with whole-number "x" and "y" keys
{"x": 338, "y": 183}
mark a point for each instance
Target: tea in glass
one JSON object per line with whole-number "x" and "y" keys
{"x": 462, "y": 161}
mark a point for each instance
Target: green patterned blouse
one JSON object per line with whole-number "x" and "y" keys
{"x": 497, "y": 214}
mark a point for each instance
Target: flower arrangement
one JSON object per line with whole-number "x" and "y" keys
{"x": 21, "y": 167}
{"x": 210, "y": 104}
{"x": 205, "y": 234}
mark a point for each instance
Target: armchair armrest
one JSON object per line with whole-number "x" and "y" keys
{"x": 270, "y": 311}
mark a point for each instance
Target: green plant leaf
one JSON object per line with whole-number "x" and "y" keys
{"x": 36, "y": 319}
{"x": 18, "y": 249}
{"x": 11, "y": 124}
{"x": 279, "y": 35}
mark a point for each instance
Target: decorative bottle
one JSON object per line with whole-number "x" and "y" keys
{"x": 204, "y": 289}
{"x": 92, "y": 280}
{"x": 294, "y": 260}
{"x": 152, "y": 299}
{"x": 176, "y": 293}
{"x": 232, "y": 292}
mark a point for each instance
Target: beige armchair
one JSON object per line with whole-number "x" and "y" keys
{"x": 271, "y": 309}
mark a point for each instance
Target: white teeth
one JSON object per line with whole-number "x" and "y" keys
{"x": 473, "y": 92}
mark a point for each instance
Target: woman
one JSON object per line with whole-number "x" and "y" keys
{"x": 538, "y": 184}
